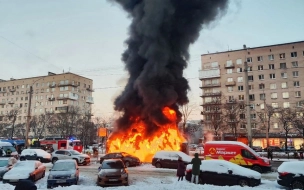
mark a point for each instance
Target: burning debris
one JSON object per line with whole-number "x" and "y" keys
{"x": 160, "y": 35}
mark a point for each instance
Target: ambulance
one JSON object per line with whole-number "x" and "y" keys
{"x": 238, "y": 153}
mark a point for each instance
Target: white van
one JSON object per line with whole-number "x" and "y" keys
{"x": 4, "y": 146}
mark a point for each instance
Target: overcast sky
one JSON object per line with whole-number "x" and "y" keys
{"x": 87, "y": 37}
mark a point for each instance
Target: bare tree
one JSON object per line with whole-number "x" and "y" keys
{"x": 43, "y": 121}
{"x": 12, "y": 116}
{"x": 265, "y": 117}
{"x": 186, "y": 111}
{"x": 286, "y": 117}
{"x": 298, "y": 123}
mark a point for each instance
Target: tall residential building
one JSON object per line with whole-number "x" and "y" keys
{"x": 274, "y": 77}
{"x": 51, "y": 93}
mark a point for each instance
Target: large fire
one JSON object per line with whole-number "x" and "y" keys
{"x": 134, "y": 141}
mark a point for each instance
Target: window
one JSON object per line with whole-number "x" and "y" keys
{"x": 261, "y": 86}
{"x": 293, "y": 54}
{"x": 239, "y": 70}
{"x": 229, "y": 63}
{"x": 229, "y": 79}
{"x": 246, "y": 154}
{"x": 249, "y": 69}
{"x": 243, "y": 126}
{"x": 273, "y": 86}
{"x": 271, "y": 57}
{"x": 262, "y": 96}
{"x": 274, "y": 95}
{"x": 251, "y": 106}
{"x": 298, "y": 94}
{"x": 275, "y": 125}
{"x": 251, "y": 97}
{"x": 250, "y": 78}
{"x": 285, "y": 94}
{"x": 241, "y": 97}
{"x": 249, "y": 59}
{"x": 262, "y": 106}
{"x": 283, "y": 66}
{"x": 261, "y": 77}
{"x": 239, "y": 61}
{"x": 230, "y": 88}
{"x": 260, "y": 58}
{"x": 282, "y": 56}
{"x": 240, "y": 79}
{"x": 260, "y": 67}
{"x": 272, "y": 76}
{"x": 242, "y": 116}
{"x": 296, "y": 84}
{"x": 284, "y": 75}
{"x": 271, "y": 66}
{"x": 250, "y": 87}
{"x": 240, "y": 88}
{"x": 229, "y": 71}
{"x": 275, "y": 105}
{"x": 295, "y": 73}
{"x": 284, "y": 84}
{"x": 253, "y": 116}
{"x": 294, "y": 64}
{"x": 286, "y": 104}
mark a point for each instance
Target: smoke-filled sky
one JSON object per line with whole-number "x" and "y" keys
{"x": 87, "y": 37}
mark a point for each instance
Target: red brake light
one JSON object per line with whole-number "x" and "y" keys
{"x": 283, "y": 173}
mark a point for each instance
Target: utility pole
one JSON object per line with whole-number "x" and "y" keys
{"x": 28, "y": 116}
{"x": 249, "y": 130}
{"x": 266, "y": 107}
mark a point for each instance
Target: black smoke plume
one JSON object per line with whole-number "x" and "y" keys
{"x": 159, "y": 38}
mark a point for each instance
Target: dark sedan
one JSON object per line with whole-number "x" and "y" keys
{"x": 291, "y": 174}
{"x": 221, "y": 172}
{"x": 128, "y": 159}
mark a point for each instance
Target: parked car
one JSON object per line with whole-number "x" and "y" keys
{"x": 291, "y": 174}
{"x": 63, "y": 172}
{"x": 168, "y": 159}
{"x": 70, "y": 154}
{"x": 222, "y": 172}
{"x": 128, "y": 159}
{"x": 112, "y": 172}
{"x": 29, "y": 169}
{"x": 257, "y": 148}
{"x": 8, "y": 146}
{"x": 35, "y": 154}
{"x": 4, "y": 167}
{"x": 290, "y": 149}
{"x": 274, "y": 149}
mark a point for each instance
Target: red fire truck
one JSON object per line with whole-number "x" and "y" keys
{"x": 62, "y": 144}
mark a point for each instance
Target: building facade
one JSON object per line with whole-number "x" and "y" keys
{"x": 52, "y": 93}
{"x": 275, "y": 77}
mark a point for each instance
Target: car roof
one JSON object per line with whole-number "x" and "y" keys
{"x": 112, "y": 160}
{"x": 65, "y": 161}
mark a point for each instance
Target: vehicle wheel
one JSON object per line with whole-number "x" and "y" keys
{"x": 297, "y": 185}
{"x": 127, "y": 164}
{"x": 127, "y": 184}
{"x": 158, "y": 165}
{"x": 54, "y": 160}
{"x": 76, "y": 160}
{"x": 43, "y": 174}
{"x": 49, "y": 187}
{"x": 22, "y": 159}
{"x": 200, "y": 180}
{"x": 243, "y": 182}
{"x": 257, "y": 169}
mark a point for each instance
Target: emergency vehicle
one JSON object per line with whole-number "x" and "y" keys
{"x": 62, "y": 144}
{"x": 238, "y": 153}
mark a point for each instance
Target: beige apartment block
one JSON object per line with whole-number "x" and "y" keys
{"x": 276, "y": 76}
{"x": 51, "y": 93}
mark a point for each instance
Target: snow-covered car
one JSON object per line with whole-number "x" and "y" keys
{"x": 291, "y": 174}
{"x": 222, "y": 172}
{"x": 7, "y": 147}
{"x": 168, "y": 159}
{"x": 3, "y": 167}
{"x": 112, "y": 172}
{"x": 128, "y": 159}
{"x": 70, "y": 154}
{"x": 35, "y": 154}
{"x": 63, "y": 172}
{"x": 29, "y": 169}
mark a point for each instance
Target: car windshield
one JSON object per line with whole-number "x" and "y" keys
{"x": 74, "y": 152}
{"x": 112, "y": 165}
{"x": 63, "y": 166}
{"x": 5, "y": 148}
{"x": 3, "y": 163}
{"x": 253, "y": 152}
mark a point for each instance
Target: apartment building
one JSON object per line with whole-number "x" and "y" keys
{"x": 51, "y": 93}
{"x": 274, "y": 77}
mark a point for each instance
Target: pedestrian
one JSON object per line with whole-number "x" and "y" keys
{"x": 8, "y": 152}
{"x": 269, "y": 153}
{"x": 25, "y": 185}
{"x": 181, "y": 168}
{"x": 196, "y": 164}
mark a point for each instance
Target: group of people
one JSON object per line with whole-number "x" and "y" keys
{"x": 181, "y": 169}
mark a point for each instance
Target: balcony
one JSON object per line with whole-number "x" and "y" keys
{"x": 229, "y": 66}
{"x": 52, "y": 85}
{"x": 2, "y": 90}
{"x": 90, "y": 89}
{"x": 12, "y": 90}
{"x": 211, "y": 112}
{"x": 210, "y": 85}
{"x": 210, "y": 73}
{"x": 231, "y": 83}
{"x": 63, "y": 109}
{"x": 231, "y": 101}
{"x": 68, "y": 84}
{"x": 211, "y": 94}
{"x": 51, "y": 99}
{"x": 2, "y": 103}
{"x": 11, "y": 102}
{"x": 71, "y": 96}
{"x": 90, "y": 100}
{"x": 211, "y": 103}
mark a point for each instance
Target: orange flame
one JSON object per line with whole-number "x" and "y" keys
{"x": 134, "y": 142}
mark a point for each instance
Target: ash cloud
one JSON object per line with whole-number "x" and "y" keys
{"x": 160, "y": 34}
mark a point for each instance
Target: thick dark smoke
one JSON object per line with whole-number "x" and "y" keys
{"x": 160, "y": 35}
